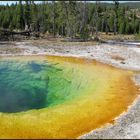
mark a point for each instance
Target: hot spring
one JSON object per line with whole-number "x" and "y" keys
{"x": 60, "y": 97}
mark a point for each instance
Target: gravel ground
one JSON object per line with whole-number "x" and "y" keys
{"x": 127, "y": 125}
{"x": 117, "y": 55}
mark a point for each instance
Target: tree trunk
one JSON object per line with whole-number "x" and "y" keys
{"x": 54, "y": 27}
{"x": 67, "y": 17}
{"x": 96, "y": 17}
{"x": 106, "y": 23}
{"x": 116, "y": 16}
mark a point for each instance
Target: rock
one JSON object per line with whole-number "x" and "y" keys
{"x": 122, "y": 62}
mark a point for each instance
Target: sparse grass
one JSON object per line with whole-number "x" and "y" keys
{"x": 59, "y": 42}
{"x": 111, "y": 36}
{"x": 10, "y": 50}
{"x": 137, "y": 36}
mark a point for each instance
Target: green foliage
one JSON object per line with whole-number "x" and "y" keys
{"x": 111, "y": 23}
{"x": 137, "y": 36}
{"x": 122, "y": 27}
{"x": 27, "y": 13}
{"x": 69, "y": 18}
{"x": 85, "y": 33}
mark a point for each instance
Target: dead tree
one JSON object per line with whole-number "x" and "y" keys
{"x": 97, "y": 18}
{"x": 54, "y": 27}
{"x": 116, "y": 6}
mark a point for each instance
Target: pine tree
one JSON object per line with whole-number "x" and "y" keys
{"x": 21, "y": 16}
{"x": 61, "y": 22}
{"x": 97, "y": 20}
{"x": 27, "y": 13}
{"x": 54, "y": 18}
{"x": 121, "y": 20}
{"x": 84, "y": 32}
{"x": 34, "y": 16}
{"x": 106, "y": 21}
{"x": 69, "y": 18}
{"x": 116, "y": 3}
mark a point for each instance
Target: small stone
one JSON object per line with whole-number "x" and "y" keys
{"x": 122, "y": 62}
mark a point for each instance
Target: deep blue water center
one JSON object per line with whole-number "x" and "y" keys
{"x": 23, "y": 86}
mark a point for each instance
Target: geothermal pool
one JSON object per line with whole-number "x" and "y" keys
{"x": 60, "y": 97}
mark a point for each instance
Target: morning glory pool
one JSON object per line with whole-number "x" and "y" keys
{"x": 60, "y": 97}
